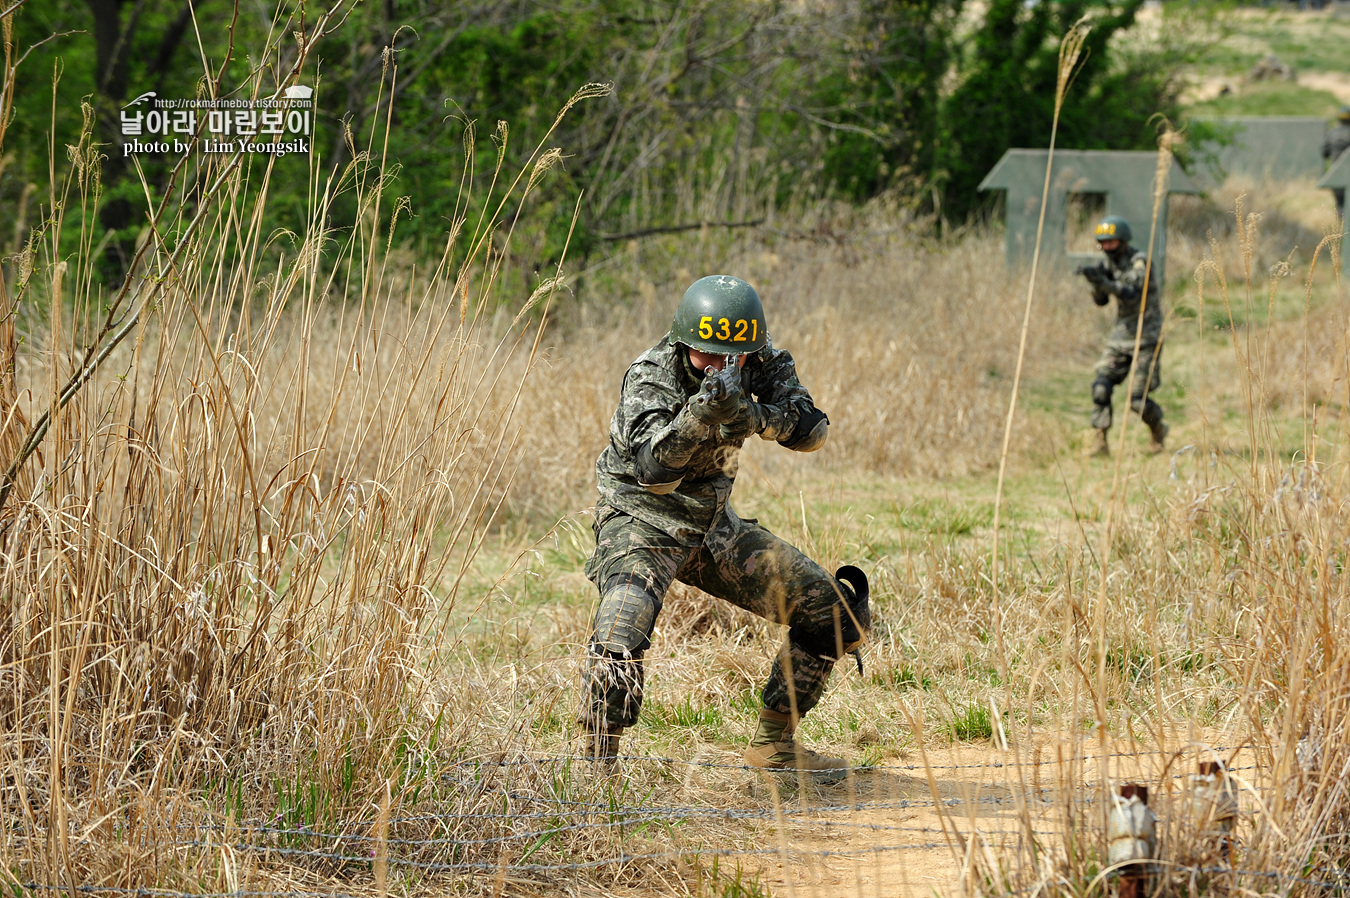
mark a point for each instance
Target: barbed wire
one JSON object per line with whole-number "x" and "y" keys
{"x": 429, "y": 855}
{"x": 581, "y": 866}
{"x": 553, "y": 760}
{"x": 627, "y": 822}
{"x": 1032, "y": 796}
{"x": 167, "y": 893}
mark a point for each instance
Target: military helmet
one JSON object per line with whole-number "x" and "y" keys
{"x": 720, "y": 314}
{"x": 1113, "y": 227}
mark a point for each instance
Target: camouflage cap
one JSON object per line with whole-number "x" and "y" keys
{"x": 1113, "y": 227}
{"x": 720, "y": 314}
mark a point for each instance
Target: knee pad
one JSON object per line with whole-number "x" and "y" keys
{"x": 1149, "y": 411}
{"x": 855, "y": 619}
{"x": 1101, "y": 392}
{"x": 625, "y": 619}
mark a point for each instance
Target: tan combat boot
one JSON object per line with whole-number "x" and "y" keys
{"x": 1096, "y": 445}
{"x": 773, "y": 748}
{"x": 601, "y": 747}
{"x": 1158, "y": 439}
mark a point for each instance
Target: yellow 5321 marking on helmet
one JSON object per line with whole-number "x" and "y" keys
{"x": 738, "y": 331}
{"x": 1106, "y": 229}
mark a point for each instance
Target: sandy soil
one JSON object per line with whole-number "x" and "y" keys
{"x": 883, "y": 834}
{"x": 1335, "y": 83}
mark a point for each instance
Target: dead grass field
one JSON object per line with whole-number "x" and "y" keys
{"x": 348, "y": 681}
{"x": 294, "y": 604}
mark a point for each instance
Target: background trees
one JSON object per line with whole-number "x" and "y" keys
{"x": 720, "y": 112}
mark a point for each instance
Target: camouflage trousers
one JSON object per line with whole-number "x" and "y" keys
{"x": 749, "y": 567}
{"x": 1113, "y": 367}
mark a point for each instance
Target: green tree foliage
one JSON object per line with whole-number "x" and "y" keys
{"x": 95, "y": 52}
{"x": 883, "y": 99}
{"x": 720, "y": 109}
{"x": 1006, "y": 90}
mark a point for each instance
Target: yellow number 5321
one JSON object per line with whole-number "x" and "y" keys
{"x": 738, "y": 331}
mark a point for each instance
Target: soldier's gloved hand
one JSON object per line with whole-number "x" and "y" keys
{"x": 749, "y": 421}
{"x": 710, "y": 409}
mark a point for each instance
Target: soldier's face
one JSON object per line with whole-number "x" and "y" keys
{"x": 702, "y": 361}
{"x": 1109, "y": 246}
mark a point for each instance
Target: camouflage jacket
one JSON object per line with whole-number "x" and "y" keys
{"x": 1337, "y": 141}
{"x": 655, "y": 388}
{"x": 1127, "y": 275}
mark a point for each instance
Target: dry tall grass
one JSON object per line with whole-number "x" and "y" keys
{"x": 247, "y": 643}
{"x": 908, "y": 345}
{"x": 228, "y": 569}
{"x": 1223, "y": 622}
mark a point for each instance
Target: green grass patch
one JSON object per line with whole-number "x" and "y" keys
{"x": 720, "y": 882}
{"x": 1132, "y": 662}
{"x": 1271, "y": 98}
{"x": 972, "y": 724}
{"x": 685, "y": 714}
{"x": 902, "y": 678}
{"x": 943, "y": 518}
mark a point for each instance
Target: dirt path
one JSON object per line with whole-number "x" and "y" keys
{"x": 883, "y": 834}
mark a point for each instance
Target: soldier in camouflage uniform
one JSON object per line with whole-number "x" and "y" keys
{"x": 665, "y": 479}
{"x": 1122, "y": 274}
{"x": 1338, "y": 141}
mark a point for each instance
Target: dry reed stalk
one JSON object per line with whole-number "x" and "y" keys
{"x": 1070, "y": 53}
{"x": 232, "y": 590}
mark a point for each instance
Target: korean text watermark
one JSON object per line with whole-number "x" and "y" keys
{"x": 280, "y": 127}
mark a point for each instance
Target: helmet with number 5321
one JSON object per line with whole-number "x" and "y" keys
{"x": 720, "y": 314}
{"x": 1113, "y": 227}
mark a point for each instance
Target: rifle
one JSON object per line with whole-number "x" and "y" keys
{"x": 719, "y": 383}
{"x": 1096, "y": 273}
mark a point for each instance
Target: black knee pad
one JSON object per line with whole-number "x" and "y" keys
{"x": 625, "y": 619}
{"x": 855, "y": 620}
{"x": 1101, "y": 392}
{"x": 1149, "y": 411}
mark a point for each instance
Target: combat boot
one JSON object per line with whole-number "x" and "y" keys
{"x": 602, "y": 748}
{"x": 1097, "y": 445}
{"x": 773, "y": 748}
{"x": 1158, "y": 439}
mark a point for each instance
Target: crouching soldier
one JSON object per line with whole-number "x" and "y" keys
{"x": 686, "y": 407}
{"x": 1122, "y": 274}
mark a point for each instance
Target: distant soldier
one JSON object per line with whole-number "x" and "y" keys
{"x": 1270, "y": 68}
{"x": 686, "y": 407}
{"x": 1121, "y": 274}
{"x": 1337, "y": 141}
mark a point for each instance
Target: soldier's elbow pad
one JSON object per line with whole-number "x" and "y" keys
{"x": 653, "y": 475}
{"x": 809, "y": 434}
